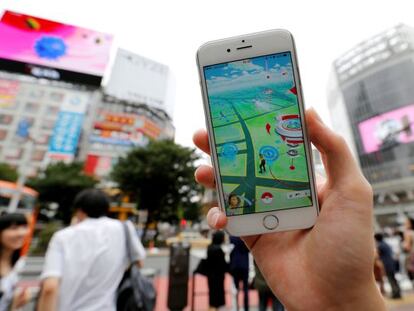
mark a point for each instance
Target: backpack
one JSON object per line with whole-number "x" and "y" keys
{"x": 135, "y": 292}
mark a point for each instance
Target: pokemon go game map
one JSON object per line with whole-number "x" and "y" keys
{"x": 258, "y": 134}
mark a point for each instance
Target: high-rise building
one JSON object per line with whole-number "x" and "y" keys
{"x": 49, "y": 72}
{"x": 371, "y": 102}
{"x": 52, "y": 105}
{"x": 33, "y": 130}
{"x": 116, "y": 126}
{"x": 135, "y": 107}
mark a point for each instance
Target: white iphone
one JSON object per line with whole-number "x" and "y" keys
{"x": 257, "y": 132}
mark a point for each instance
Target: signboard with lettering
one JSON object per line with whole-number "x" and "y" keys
{"x": 138, "y": 79}
{"x": 64, "y": 141}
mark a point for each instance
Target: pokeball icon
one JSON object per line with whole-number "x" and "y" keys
{"x": 267, "y": 198}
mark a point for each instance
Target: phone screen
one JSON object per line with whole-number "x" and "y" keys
{"x": 258, "y": 134}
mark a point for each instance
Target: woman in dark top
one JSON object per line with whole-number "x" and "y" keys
{"x": 217, "y": 268}
{"x": 239, "y": 268}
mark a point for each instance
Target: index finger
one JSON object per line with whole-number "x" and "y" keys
{"x": 200, "y": 139}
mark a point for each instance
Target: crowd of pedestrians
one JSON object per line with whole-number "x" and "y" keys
{"x": 215, "y": 268}
{"x": 394, "y": 260}
{"x": 84, "y": 263}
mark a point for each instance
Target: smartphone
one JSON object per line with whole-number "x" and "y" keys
{"x": 257, "y": 133}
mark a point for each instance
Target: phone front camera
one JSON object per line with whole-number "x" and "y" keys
{"x": 228, "y": 50}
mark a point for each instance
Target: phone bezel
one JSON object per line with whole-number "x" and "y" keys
{"x": 263, "y": 43}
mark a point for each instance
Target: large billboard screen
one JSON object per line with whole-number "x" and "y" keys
{"x": 32, "y": 40}
{"x": 139, "y": 79}
{"x": 388, "y": 129}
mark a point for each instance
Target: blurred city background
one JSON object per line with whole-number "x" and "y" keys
{"x": 91, "y": 99}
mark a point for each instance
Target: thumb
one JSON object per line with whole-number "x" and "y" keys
{"x": 339, "y": 163}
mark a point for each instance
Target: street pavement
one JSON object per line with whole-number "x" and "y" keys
{"x": 157, "y": 267}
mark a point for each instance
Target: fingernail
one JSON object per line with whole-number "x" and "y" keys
{"x": 215, "y": 219}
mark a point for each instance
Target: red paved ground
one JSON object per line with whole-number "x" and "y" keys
{"x": 201, "y": 289}
{"x": 201, "y": 298}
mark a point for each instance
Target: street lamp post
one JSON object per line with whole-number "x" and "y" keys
{"x": 23, "y": 133}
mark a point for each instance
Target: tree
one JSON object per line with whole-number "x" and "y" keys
{"x": 8, "y": 173}
{"x": 161, "y": 178}
{"x": 60, "y": 183}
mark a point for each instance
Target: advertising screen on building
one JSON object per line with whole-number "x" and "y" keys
{"x": 68, "y": 49}
{"x": 388, "y": 129}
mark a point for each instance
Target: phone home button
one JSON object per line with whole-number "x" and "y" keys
{"x": 270, "y": 222}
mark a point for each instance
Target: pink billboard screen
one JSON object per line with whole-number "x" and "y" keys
{"x": 388, "y": 129}
{"x": 38, "y": 41}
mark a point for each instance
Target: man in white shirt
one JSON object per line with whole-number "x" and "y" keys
{"x": 85, "y": 262}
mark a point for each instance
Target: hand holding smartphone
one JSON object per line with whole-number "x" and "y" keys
{"x": 255, "y": 120}
{"x": 301, "y": 267}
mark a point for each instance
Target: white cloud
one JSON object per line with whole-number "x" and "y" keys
{"x": 245, "y": 80}
{"x": 221, "y": 79}
{"x": 245, "y": 66}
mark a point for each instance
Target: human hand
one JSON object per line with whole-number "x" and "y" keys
{"x": 330, "y": 266}
{"x": 21, "y": 298}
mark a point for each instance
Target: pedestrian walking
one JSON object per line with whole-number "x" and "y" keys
{"x": 392, "y": 238}
{"x": 216, "y": 270}
{"x": 239, "y": 269}
{"x": 85, "y": 262}
{"x": 379, "y": 272}
{"x": 13, "y": 230}
{"x": 265, "y": 293}
{"x": 386, "y": 256}
{"x": 408, "y": 247}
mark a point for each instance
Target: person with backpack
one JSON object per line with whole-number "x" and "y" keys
{"x": 85, "y": 262}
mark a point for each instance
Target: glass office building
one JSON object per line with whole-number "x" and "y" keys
{"x": 371, "y": 102}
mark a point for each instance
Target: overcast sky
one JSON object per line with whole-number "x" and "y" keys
{"x": 171, "y": 31}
